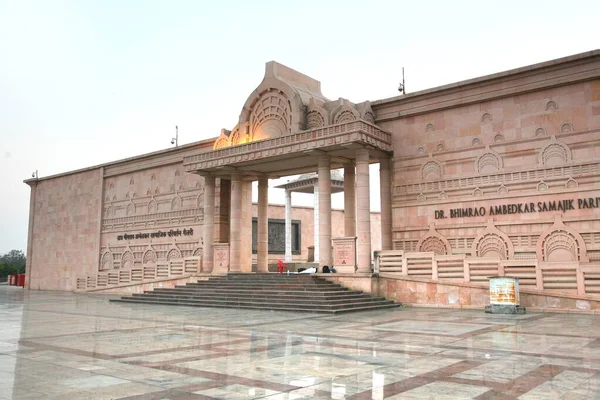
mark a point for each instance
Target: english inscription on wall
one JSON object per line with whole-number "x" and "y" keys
{"x": 520, "y": 208}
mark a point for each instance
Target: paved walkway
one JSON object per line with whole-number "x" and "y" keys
{"x": 56, "y": 345}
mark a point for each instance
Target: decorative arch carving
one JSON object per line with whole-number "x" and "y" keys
{"x": 499, "y": 138}
{"x": 559, "y": 243}
{"x": 571, "y": 184}
{"x": 176, "y": 203}
{"x": 127, "y": 260}
{"x": 540, "y": 131}
{"x": 152, "y": 206}
{"x": 345, "y": 115}
{"x": 110, "y": 211}
{"x": 149, "y": 257}
{"x": 234, "y": 137}
{"x": 440, "y": 147}
{"x": 157, "y": 191}
{"x": 177, "y": 173}
{"x": 476, "y": 142}
{"x": 432, "y": 170}
{"x": 493, "y": 243}
{"x": 555, "y": 153}
{"x": 488, "y": 162}
{"x": 221, "y": 142}
{"x": 502, "y": 190}
{"x": 130, "y": 209}
{"x": 106, "y": 262}
{"x": 542, "y": 186}
{"x": 477, "y": 192}
{"x": 421, "y": 150}
{"x": 131, "y": 181}
{"x": 486, "y": 117}
{"x": 421, "y": 198}
{"x": 197, "y": 252}
{"x": 200, "y": 201}
{"x": 314, "y": 119}
{"x": 551, "y": 106}
{"x": 271, "y": 115}
{"x": 173, "y": 254}
{"x": 430, "y": 128}
{"x": 369, "y": 117}
{"x": 443, "y": 196}
{"x": 153, "y": 177}
{"x": 566, "y": 128}
{"x": 435, "y": 242}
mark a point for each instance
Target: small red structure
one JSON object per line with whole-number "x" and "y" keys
{"x": 280, "y": 265}
{"x": 20, "y": 280}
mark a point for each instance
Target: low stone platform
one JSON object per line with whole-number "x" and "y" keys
{"x": 294, "y": 292}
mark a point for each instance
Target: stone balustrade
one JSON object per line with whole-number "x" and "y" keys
{"x": 176, "y": 268}
{"x": 568, "y": 277}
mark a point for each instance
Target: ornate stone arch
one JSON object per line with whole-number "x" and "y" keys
{"x": 176, "y": 203}
{"x": 559, "y": 243}
{"x": 110, "y": 211}
{"x": 555, "y": 153}
{"x": 344, "y": 114}
{"x": 149, "y": 257}
{"x": 173, "y": 254}
{"x": 432, "y": 170}
{"x": 152, "y": 206}
{"x": 314, "y": 119}
{"x": 106, "y": 261}
{"x": 130, "y": 210}
{"x": 493, "y": 243}
{"x": 197, "y": 251}
{"x": 271, "y": 115}
{"x": 127, "y": 260}
{"x": 488, "y": 161}
{"x": 435, "y": 242}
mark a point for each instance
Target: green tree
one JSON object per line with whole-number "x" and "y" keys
{"x": 12, "y": 263}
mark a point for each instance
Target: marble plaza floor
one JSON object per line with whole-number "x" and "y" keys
{"x": 57, "y": 345}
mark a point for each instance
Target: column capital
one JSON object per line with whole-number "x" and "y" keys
{"x": 263, "y": 181}
{"x": 362, "y": 155}
{"x": 323, "y": 159}
{"x": 236, "y": 175}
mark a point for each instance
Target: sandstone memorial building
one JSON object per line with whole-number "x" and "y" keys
{"x": 497, "y": 175}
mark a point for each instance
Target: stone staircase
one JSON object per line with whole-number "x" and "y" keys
{"x": 264, "y": 292}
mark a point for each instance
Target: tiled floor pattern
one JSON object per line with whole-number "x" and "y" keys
{"x": 57, "y": 345}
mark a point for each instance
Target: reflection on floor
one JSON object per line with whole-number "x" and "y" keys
{"x": 57, "y": 345}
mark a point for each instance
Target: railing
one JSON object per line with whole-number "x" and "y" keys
{"x": 141, "y": 274}
{"x": 570, "y": 277}
{"x": 371, "y": 131}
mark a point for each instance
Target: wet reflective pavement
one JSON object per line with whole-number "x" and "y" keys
{"x": 56, "y": 345}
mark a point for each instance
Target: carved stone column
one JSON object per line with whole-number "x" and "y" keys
{"x": 262, "y": 257}
{"x": 236, "y": 222}
{"x": 324, "y": 210}
{"x": 316, "y": 223}
{"x": 363, "y": 212}
{"x": 385, "y": 185}
{"x": 349, "y": 201}
{"x": 288, "y": 225}
{"x": 209, "y": 226}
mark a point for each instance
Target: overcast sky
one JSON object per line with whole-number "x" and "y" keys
{"x": 87, "y": 82}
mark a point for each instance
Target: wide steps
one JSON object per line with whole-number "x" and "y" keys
{"x": 303, "y": 293}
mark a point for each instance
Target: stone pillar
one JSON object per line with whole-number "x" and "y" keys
{"x": 262, "y": 256}
{"x": 316, "y": 222}
{"x": 385, "y": 185}
{"x": 209, "y": 226}
{"x": 288, "y": 225}
{"x": 235, "y": 224}
{"x": 222, "y": 217}
{"x": 324, "y": 210}
{"x": 363, "y": 212}
{"x": 349, "y": 202}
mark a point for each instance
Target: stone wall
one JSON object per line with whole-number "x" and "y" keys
{"x": 65, "y": 230}
{"x": 427, "y": 293}
{"x": 500, "y": 170}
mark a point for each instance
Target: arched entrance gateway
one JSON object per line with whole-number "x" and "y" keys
{"x": 288, "y": 127}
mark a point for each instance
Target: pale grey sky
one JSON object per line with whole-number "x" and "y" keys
{"x": 86, "y": 82}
